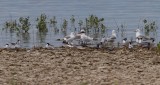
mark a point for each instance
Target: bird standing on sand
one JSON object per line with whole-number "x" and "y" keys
{"x": 146, "y": 44}
{"x": 15, "y": 45}
{"x": 126, "y": 43}
{"x": 113, "y": 36}
{"x": 69, "y": 38}
{"x": 144, "y": 41}
{"x": 109, "y": 39}
{"x": 48, "y": 45}
{"x": 73, "y": 36}
{"x": 130, "y": 45}
{"x": 6, "y": 46}
{"x": 139, "y": 36}
{"x": 84, "y": 38}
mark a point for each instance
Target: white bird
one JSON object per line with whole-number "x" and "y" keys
{"x": 139, "y": 35}
{"x": 6, "y": 46}
{"x": 125, "y": 42}
{"x": 84, "y": 38}
{"x": 113, "y": 36}
{"x": 130, "y": 45}
{"x": 110, "y": 38}
{"x": 48, "y": 45}
{"x": 103, "y": 40}
{"x": 69, "y": 38}
{"x": 16, "y": 45}
{"x": 146, "y": 44}
{"x": 137, "y": 40}
{"x": 144, "y": 41}
{"x": 82, "y": 31}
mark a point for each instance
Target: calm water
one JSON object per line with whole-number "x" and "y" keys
{"x": 127, "y": 12}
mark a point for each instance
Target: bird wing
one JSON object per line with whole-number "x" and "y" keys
{"x": 112, "y": 37}
{"x": 70, "y": 39}
{"x": 140, "y": 36}
{"x": 147, "y": 38}
{"x": 110, "y": 40}
{"x": 68, "y": 36}
{"x": 126, "y": 43}
{"x": 86, "y": 38}
{"x": 103, "y": 40}
{"x": 77, "y": 36}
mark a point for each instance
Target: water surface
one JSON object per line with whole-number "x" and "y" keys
{"x": 116, "y": 12}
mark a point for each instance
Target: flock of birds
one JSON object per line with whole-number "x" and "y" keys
{"x": 141, "y": 40}
{"x": 83, "y": 40}
{"x": 13, "y": 45}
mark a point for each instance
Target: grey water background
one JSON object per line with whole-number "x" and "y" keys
{"x": 130, "y": 13}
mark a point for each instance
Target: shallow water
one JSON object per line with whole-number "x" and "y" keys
{"x": 116, "y": 12}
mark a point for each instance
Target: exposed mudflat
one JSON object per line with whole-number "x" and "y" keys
{"x": 72, "y": 66}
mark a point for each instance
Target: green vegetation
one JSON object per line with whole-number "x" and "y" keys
{"x": 11, "y": 26}
{"x": 53, "y": 23}
{"x": 80, "y": 23}
{"x": 24, "y": 24}
{"x": 96, "y": 23}
{"x": 122, "y": 29}
{"x": 72, "y": 21}
{"x": 103, "y": 28}
{"x": 64, "y": 25}
{"x": 92, "y": 24}
{"x": 41, "y": 23}
{"x": 149, "y": 26}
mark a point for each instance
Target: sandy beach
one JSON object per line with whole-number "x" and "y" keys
{"x": 72, "y": 66}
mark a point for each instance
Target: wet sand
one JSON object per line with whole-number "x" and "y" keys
{"x": 72, "y": 66}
